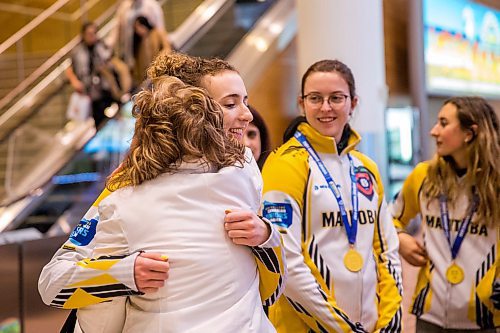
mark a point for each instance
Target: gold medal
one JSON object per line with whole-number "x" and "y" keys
{"x": 454, "y": 274}
{"x": 353, "y": 260}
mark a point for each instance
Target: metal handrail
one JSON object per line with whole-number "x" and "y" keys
{"x": 179, "y": 37}
{"x": 40, "y": 18}
{"x": 43, "y": 68}
{"x": 197, "y": 23}
{"x": 275, "y": 42}
{"x": 32, "y": 25}
{"x": 269, "y": 37}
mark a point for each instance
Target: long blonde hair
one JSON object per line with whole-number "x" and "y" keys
{"x": 483, "y": 166}
{"x": 175, "y": 123}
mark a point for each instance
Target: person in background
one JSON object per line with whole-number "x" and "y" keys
{"x": 148, "y": 42}
{"x": 88, "y": 59}
{"x": 62, "y": 281}
{"x": 121, "y": 38}
{"x": 456, "y": 193}
{"x": 257, "y": 137}
{"x": 344, "y": 272}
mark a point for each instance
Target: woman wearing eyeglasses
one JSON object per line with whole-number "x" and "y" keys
{"x": 328, "y": 201}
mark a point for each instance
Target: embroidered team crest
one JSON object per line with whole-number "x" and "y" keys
{"x": 364, "y": 182}
{"x": 84, "y": 232}
{"x": 278, "y": 213}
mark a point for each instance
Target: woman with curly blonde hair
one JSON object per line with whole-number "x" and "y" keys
{"x": 175, "y": 123}
{"x": 69, "y": 281}
{"x": 169, "y": 196}
{"x": 456, "y": 194}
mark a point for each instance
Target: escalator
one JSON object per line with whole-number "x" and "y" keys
{"x": 56, "y": 204}
{"x": 36, "y": 140}
{"x": 32, "y": 205}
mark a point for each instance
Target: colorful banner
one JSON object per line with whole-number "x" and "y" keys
{"x": 462, "y": 48}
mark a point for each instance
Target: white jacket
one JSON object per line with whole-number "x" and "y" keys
{"x": 213, "y": 285}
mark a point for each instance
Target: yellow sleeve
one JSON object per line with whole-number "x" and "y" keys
{"x": 406, "y": 204}
{"x": 272, "y": 269}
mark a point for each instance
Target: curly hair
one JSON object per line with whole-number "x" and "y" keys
{"x": 184, "y": 67}
{"x": 175, "y": 123}
{"x": 190, "y": 69}
{"x": 214, "y": 66}
{"x": 483, "y": 165}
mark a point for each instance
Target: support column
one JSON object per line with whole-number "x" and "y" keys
{"x": 352, "y": 32}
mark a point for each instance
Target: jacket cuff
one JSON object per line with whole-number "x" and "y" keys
{"x": 124, "y": 271}
{"x": 274, "y": 237}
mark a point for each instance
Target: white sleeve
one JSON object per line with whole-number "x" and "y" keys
{"x": 75, "y": 277}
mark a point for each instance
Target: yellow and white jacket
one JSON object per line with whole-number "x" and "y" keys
{"x": 321, "y": 294}
{"x": 96, "y": 264}
{"x": 466, "y": 305}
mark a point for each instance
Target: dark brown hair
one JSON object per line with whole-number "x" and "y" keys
{"x": 329, "y": 65}
{"x": 265, "y": 145}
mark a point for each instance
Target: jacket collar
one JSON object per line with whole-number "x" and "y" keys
{"x": 327, "y": 144}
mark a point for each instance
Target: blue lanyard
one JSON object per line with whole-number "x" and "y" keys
{"x": 462, "y": 231}
{"x": 351, "y": 229}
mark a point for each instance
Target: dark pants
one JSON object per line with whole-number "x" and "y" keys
{"x": 426, "y": 327}
{"x": 98, "y": 107}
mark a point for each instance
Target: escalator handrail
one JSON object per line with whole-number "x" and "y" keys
{"x": 31, "y": 25}
{"x": 269, "y": 36}
{"x": 181, "y": 35}
{"x": 192, "y": 25}
{"x": 40, "y": 71}
{"x": 244, "y": 51}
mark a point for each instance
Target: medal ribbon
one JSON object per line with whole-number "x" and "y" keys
{"x": 462, "y": 231}
{"x": 351, "y": 229}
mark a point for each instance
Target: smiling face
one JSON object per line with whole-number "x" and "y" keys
{"x": 451, "y": 138}
{"x": 228, "y": 89}
{"x": 327, "y": 119}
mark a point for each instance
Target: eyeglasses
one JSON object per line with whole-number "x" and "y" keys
{"x": 335, "y": 100}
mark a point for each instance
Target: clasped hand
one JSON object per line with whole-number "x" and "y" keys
{"x": 243, "y": 228}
